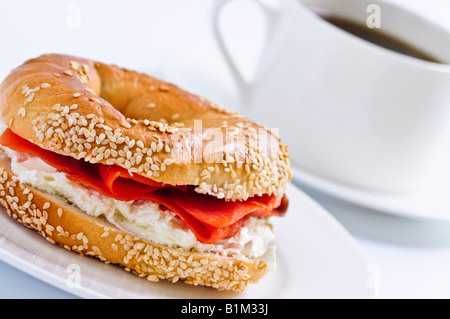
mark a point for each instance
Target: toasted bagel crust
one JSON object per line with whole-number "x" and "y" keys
{"x": 67, "y": 226}
{"x": 105, "y": 114}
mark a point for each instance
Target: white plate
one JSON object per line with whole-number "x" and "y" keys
{"x": 431, "y": 200}
{"x": 317, "y": 258}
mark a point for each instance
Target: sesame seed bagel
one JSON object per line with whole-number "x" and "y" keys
{"x": 69, "y": 227}
{"x": 106, "y": 114}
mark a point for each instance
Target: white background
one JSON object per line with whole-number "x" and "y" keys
{"x": 173, "y": 39}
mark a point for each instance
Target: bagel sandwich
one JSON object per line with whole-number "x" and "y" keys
{"x": 122, "y": 166}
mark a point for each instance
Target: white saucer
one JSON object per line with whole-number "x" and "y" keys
{"x": 316, "y": 258}
{"x": 429, "y": 201}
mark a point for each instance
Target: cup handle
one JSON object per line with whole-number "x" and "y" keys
{"x": 270, "y": 14}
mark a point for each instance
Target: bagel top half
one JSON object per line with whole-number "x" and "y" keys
{"x": 106, "y": 114}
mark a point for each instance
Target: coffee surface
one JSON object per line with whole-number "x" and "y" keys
{"x": 379, "y": 37}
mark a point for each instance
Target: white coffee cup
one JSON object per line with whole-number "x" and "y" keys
{"x": 349, "y": 110}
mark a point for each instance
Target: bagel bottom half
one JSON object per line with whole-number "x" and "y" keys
{"x": 66, "y": 225}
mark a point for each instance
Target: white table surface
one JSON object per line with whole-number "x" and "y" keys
{"x": 173, "y": 38}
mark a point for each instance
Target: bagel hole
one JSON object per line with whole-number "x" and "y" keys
{"x": 139, "y": 99}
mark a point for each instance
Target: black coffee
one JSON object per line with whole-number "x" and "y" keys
{"x": 377, "y": 36}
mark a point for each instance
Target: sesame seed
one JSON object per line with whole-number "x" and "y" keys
{"x": 168, "y": 161}
{"x": 22, "y": 111}
{"x": 74, "y": 65}
{"x": 28, "y": 99}
{"x": 229, "y": 159}
{"x": 101, "y": 137}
